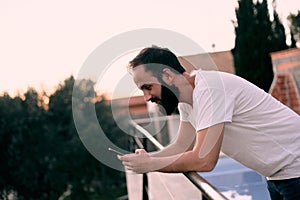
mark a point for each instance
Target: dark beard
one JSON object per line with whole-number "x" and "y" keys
{"x": 169, "y": 99}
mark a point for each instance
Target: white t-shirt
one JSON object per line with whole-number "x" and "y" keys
{"x": 260, "y": 132}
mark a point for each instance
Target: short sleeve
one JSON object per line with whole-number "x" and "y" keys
{"x": 184, "y": 111}
{"x": 211, "y": 107}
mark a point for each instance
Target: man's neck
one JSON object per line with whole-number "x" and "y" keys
{"x": 186, "y": 89}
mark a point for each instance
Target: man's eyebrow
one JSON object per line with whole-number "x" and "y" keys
{"x": 144, "y": 86}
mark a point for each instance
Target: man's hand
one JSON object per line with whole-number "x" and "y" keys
{"x": 140, "y": 162}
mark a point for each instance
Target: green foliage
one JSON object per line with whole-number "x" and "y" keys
{"x": 256, "y": 37}
{"x": 278, "y": 37}
{"x": 42, "y": 156}
{"x": 294, "y": 20}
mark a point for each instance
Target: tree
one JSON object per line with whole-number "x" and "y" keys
{"x": 81, "y": 174}
{"x": 10, "y": 127}
{"x": 278, "y": 37}
{"x": 256, "y": 37}
{"x": 293, "y": 41}
{"x": 294, "y": 20}
{"x": 42, "y": 156}
{"x": 23, "y": 137}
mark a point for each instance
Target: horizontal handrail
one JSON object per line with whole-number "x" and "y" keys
{"x": 147, "y": 134}
{"x": 203, "y": 185}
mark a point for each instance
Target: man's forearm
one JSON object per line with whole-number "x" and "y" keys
{"x": 171, "y": 150}
{"x": 187, "y": 161}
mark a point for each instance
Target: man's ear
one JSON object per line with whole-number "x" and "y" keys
{"x": 167, "y": 76}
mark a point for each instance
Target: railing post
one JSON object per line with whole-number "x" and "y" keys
{"x": 145, "y": 187}
{"x": 145, "y": 195}
{"x": 132, "y": 131}
{"x": 145, "y": 176}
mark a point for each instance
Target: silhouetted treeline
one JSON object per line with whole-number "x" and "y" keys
{"x": 42, "y": 156}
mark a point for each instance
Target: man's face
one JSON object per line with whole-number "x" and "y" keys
{"x": 156, "y": 91}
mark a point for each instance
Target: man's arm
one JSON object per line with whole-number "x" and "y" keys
{"x": 203, "y": 157}
{"x": 184, "y": 142}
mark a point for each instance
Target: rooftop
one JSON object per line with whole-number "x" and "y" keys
{"x": 286, "y": 83}
{"x": 221, "y": 61}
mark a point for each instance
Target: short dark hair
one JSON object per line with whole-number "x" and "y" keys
{"x": 156, "y": 56}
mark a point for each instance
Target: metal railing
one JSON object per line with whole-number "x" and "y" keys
{"x": 208, "y": 191}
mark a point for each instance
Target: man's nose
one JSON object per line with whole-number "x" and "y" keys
{"x": 147, "y": 96}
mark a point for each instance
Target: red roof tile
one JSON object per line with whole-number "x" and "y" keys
{"x": 286, "y": 83}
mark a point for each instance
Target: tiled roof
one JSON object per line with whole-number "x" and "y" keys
{"x": 136, "y": 105}
{"x": 285, "y": 60}
{"x": 286, "y": 83}
{"x": 296, "y": 75}
{"x": 221, "y": 61}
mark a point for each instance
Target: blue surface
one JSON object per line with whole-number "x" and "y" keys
{"x": 237, "y": 181}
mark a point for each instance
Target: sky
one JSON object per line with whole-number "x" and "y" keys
{"x": 44, "y": 42}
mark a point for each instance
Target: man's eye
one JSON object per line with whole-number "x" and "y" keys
{"x": 147, "y": 87}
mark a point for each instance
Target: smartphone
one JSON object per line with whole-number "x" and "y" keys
{"x": 115, "y": 151}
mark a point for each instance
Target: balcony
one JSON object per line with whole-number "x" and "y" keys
{"x": 229, "y": 179}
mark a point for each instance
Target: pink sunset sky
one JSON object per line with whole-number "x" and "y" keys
{"x": 44, "y": 42}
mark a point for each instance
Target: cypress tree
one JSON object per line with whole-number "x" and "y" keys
{"x": 294, "y": 20}
{"x": 293, "y": 41}
{"x": 278, "y": 41}
{"x": 256, "y": 37}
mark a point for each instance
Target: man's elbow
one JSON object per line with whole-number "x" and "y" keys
{"x": 205, "y": 165}
{"x": 209, "y": 167}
